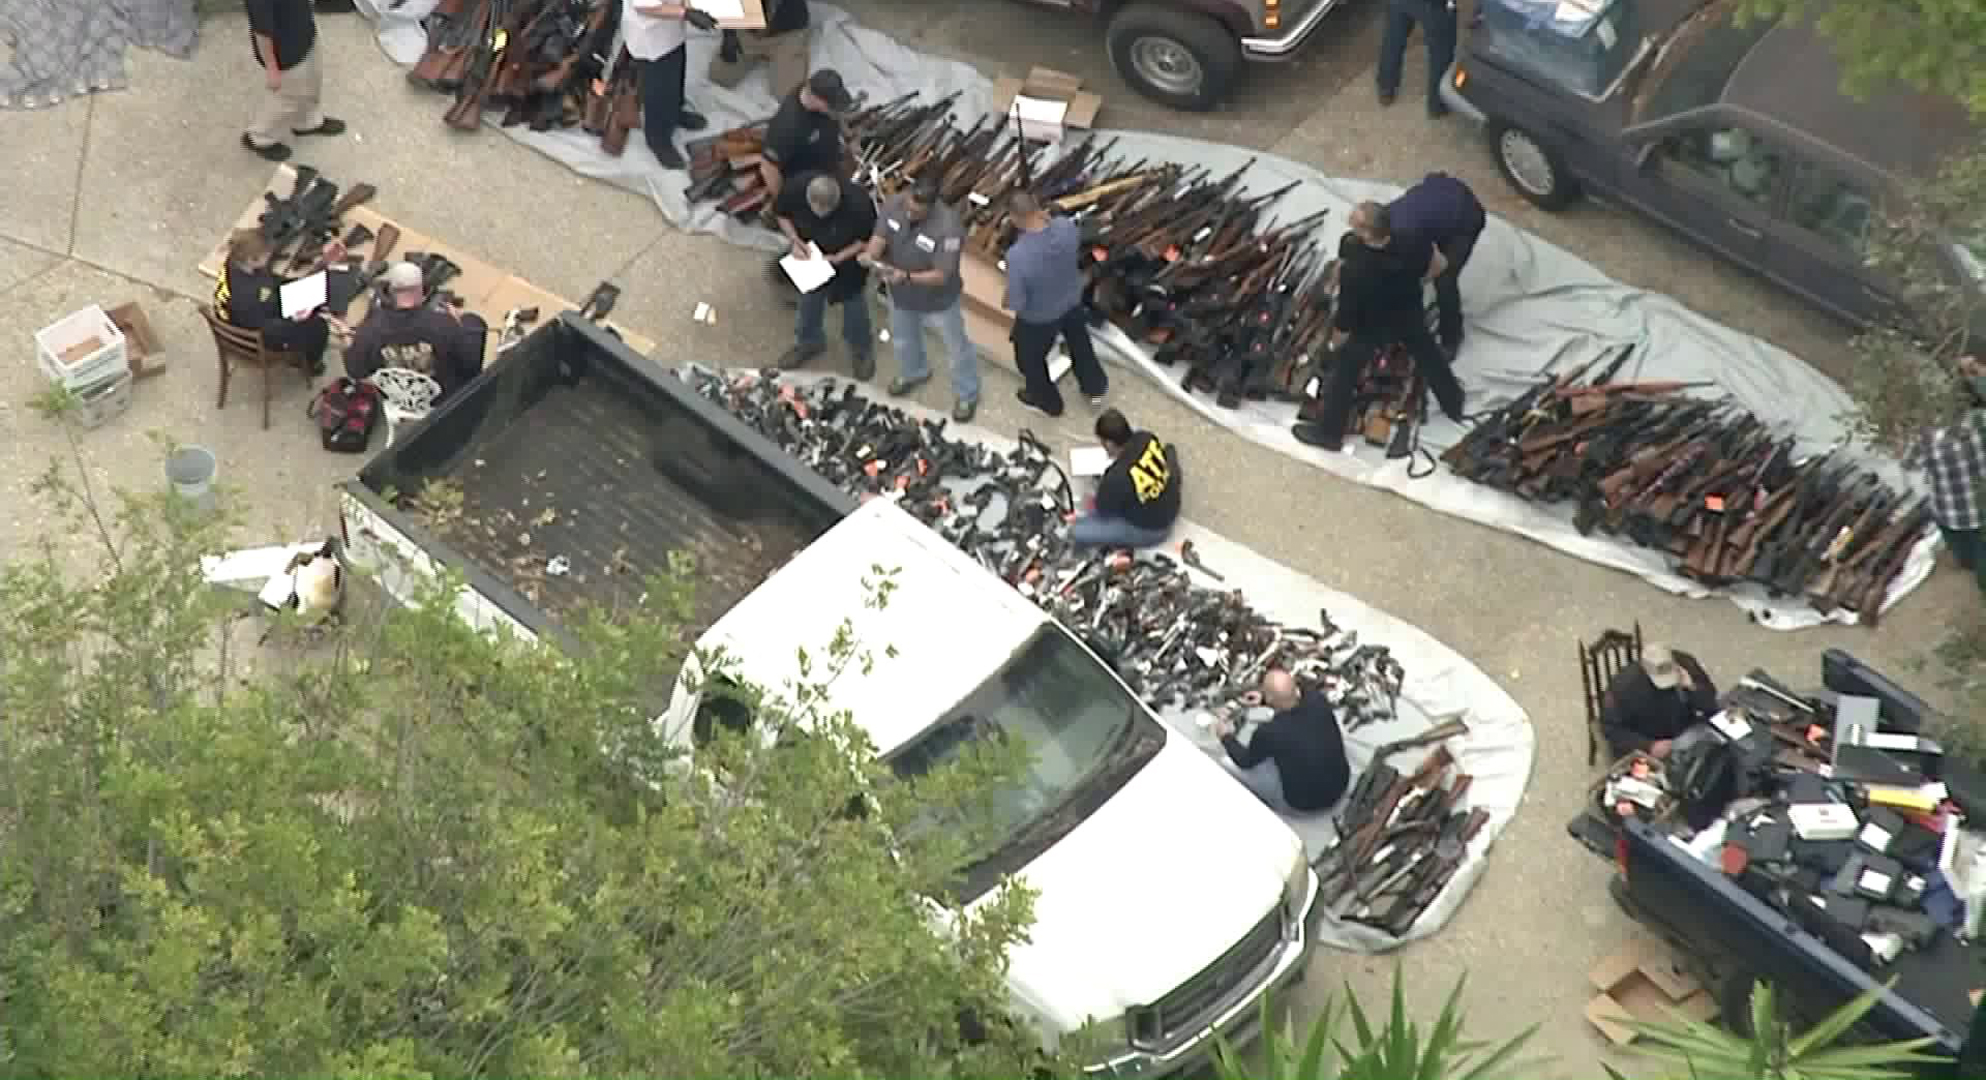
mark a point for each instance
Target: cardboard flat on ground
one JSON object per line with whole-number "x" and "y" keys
{"x": 143, "y": 353}
{"x": 485, "y": 289}
{"x": 1643, "y": 981}
{"x": 1049, "y": 85}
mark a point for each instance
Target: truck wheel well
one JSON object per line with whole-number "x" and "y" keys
{"x": 1225, "y": 12}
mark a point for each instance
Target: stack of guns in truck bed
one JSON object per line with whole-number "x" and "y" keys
{"x": 1178, "y": 644}
{"x": 1703, "y": 481}
{"x": 542, "y": 62}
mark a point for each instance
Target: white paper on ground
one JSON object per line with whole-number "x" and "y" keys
{"x": 304, "y": 295}
{"x": 1089, "y": 461}
{"x": 809, "y": 273}
{"x": 1441, "y": 685}
{"x": 1059, "y": 364}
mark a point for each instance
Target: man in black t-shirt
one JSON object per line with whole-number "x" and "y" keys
{"x": 248, "y": 295}
{"x": 1137, "y": 499}
{"x": 836, "y": 216}
{"x": 1296, "y": 762}
{"x": 782, "y": 45}
{"x": 283, "y": 34}
{"x": 408, "y": 332}
{"x": 805, "y": 134}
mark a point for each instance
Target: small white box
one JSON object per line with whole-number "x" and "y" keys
{"x": 58, "y": 349}
{"x": 103, "y": 402}
{"x": 1040, "y": 120}
{"x": 1823, "y": 821}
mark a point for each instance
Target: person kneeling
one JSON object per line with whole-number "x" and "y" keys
{"x": 408, "y": 332}
{"x": 1137, "y": 500}
{"x": 248, "y": 296}
{"x": 1296, "y": 762}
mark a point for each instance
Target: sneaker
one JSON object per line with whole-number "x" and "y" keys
{"x": 692, "y": 120}
{"x": 271, "y": 152}
{"x": 798, "y": 356}
{"x": 964, "y": 409}
{"x": 901, "y": 385}
{"x": 1021, "y": 396}
{"x": 865, "y": 368}
{"x": 330, "y": 125}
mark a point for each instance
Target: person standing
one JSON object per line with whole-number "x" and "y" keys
{"x": 1137, "y": 498}
{"x": 782, "y": 46}
{"x": 836, "y": 216}
{"x": 656, "y": 39}
{"x": 1436, "y": 18}
{"x": 916, "y": 253}
{"x": 805, "y": 134}
{"x": 1441, "y": 213}
{"x": 1045, "y": 292}
{"x": 1295, "y": 763}
{"x": 283, "y": 34}
{"x": 1953, "y": 458}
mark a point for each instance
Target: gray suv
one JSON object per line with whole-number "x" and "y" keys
{"x": 1736, "y": 134}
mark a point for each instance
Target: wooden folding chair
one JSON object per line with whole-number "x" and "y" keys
{"x": 1600, "y": 663}
{"x": 233, "y": 345}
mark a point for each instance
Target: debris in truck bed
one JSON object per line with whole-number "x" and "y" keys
{"x": 1178, "y": 644}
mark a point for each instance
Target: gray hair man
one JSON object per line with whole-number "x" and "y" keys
{"x": 1296, "y": 761}
{"x": 826, "y": 213}
{"x": 438, "y": 340}
{"x": 916, "y": 252}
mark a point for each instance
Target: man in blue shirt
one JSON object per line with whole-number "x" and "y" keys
{"x": 1441, "y": 213}
{"x": 1045, "y": 293}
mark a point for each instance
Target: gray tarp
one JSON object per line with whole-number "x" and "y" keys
{"x": 62, "y": 48}
{"x": 1530, "y": 304}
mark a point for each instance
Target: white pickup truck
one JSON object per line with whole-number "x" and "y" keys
{"x": 1169, "y": 899}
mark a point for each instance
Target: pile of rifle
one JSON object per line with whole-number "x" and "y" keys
{"x": 543, "y": 62}
{"x": 1401, "y": 837}
{"x": 1703, "y": 481}
{"x": 1177, "y": 644}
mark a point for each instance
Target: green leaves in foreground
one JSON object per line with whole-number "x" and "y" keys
{"x": 1398, "y": 1051}
{"x": 1775, "y": 1052}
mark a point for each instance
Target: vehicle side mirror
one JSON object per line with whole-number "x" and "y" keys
{"x": 1645, "y": 158}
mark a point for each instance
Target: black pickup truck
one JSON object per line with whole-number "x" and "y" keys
{"x": 583, "y": 469}
{"x": 1731, "y": 937}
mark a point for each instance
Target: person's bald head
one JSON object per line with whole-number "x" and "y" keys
{"x": 1279, "y": 689}
{"x": 1372, "y": 223}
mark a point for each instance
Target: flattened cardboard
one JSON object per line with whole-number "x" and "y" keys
{"x": 142, "y": 353}
{"x": 1643, "y": 981}
{"x": 1051, "y": 85}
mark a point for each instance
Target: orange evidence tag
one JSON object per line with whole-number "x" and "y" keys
{"x": 800, "y": 409}
{"x": 1100, "y": 254}
{"x": 1714, "y": 503}
{"x": 923, "y": 466}
{"x": 600, "y": 87}
{"x": 872, "y": 468}
{"x": 1816, "y": 733}
{"x": 1172, "y": 254}
{"x": 902, "y": 482}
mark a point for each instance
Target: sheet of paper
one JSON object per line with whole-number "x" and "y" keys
{"x": 304, "y": 294}
{"x": 721, "y": 10}
{"x": 809, "y": 273}
{"x": 1089, "y": 461}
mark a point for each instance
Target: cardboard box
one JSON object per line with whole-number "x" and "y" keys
{"x": 143, "y": 353}
{"x": 1050, "y": 103}
{"x": 1643, "y": 981}
{"x": 82, "y": 349}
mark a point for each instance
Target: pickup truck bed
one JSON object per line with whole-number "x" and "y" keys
{"x": 572, "y": 448}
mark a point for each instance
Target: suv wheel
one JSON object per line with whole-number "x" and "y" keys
{"x": 1180, "y": 58}
{"x": 1531, "y": 167}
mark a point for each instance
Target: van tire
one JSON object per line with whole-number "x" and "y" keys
{"x": 1533, "y": 168}
{"x": 1179, "y": 58}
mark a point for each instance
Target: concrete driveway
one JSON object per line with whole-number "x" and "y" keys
{"x": 116, "y": 198}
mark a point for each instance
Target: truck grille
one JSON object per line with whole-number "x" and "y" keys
{"x": 1186, "y": 1011}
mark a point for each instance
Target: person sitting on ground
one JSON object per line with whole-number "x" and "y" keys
{"x": 248, "y": 296}
{"x": 1296, "y": 762}
{"x": 1652, "y": 702}
{"x": 408, "y": 332}
{"x": 1137, "y": 499}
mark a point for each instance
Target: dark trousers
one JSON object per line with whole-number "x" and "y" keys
{"x": 1968, "y": 546}
{"x": 308, "y": 338}
{"x": 1429, "y": 362}
{"x": 1437, "y": 22}
{"x": 1032, "y": 342}
{"x": 1448, "y": 288}
{"x": 662, "y": 101}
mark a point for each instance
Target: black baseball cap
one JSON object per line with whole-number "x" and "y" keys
{"x": 826, "y": 84}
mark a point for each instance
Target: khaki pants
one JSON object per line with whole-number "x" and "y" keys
{"x": 291, "y": 107}
{"x": 787, "y": 54}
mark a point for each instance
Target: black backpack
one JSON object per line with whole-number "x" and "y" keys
{"x": 346, "y": 411}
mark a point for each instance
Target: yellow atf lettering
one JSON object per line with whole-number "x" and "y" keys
{"x": 1149, "y": 476}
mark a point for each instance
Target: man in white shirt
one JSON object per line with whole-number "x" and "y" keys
{"x": 654, "y": 36}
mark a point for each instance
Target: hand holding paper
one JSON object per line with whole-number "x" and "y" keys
{"x": 809, "y": 270}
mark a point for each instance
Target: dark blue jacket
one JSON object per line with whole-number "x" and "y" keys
{"x": 1434, "y": 212}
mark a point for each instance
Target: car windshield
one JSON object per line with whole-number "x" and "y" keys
{"x": 1086, "y": 735}
{"x": 1577, "y": 45}
{"x": 1704, "y": 67}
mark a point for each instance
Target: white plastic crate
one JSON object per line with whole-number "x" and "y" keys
{"x": 105, "y": 401}
{"x": 80, "y": 370}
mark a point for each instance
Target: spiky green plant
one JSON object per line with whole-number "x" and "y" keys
{"x": 1774, "y": 1052}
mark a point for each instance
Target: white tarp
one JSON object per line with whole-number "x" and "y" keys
{"x": 1440, "y": 685}
{"x": 1532, "y": 307}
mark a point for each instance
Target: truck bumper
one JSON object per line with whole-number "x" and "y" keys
{"x": 1238, "y": 1022}
{"x": 1282, "y": 45}
{"x": 1452, "y": 97}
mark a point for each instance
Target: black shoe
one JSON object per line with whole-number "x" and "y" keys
{"x": 1021, "y": 396}
{"x": 330, "y": 125}
{"x": 1311, "y": 433}
{"x": 692, "y": 120}
{"x": 900, "y": 385}
{"x": 670, "y": 158}
{"x": 799, "y": 355}
{"x": 964, "y": 409}
{"x": 1386, "y": 96}
{"x": 271, "y": 152}
{"x": 865, "y": 366}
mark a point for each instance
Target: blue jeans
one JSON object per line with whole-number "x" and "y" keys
{"x": 812, "y": 329}
{"x": 1265, "y": 779}
{"x": 1097, "y": 530}
{"x": 1437, "y": 23}
{"x": 907, "y": 333}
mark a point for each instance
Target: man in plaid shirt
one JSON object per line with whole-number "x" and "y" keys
{"x": 1954, "y": 458}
